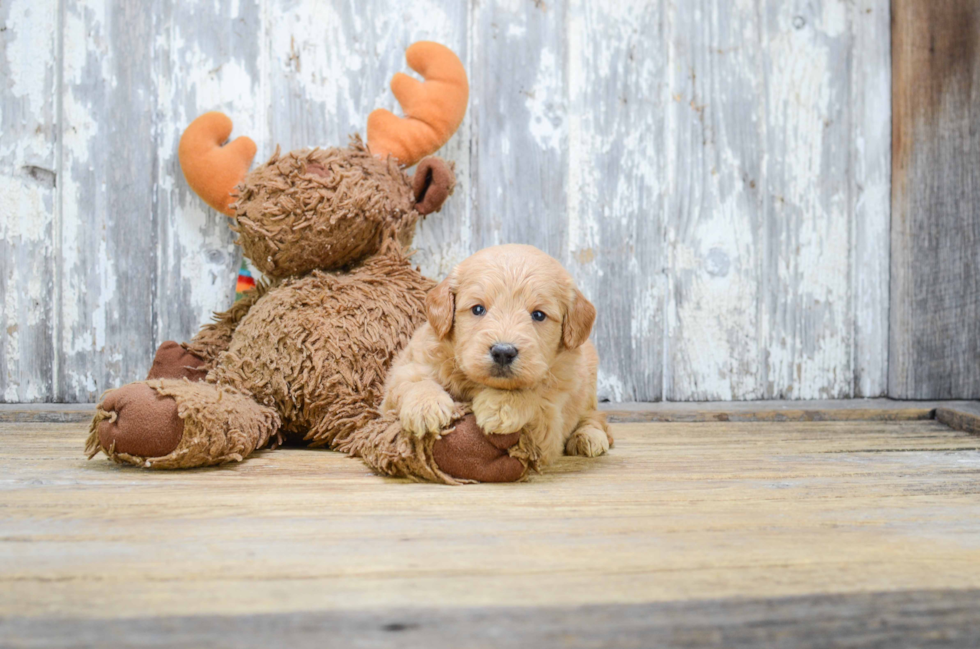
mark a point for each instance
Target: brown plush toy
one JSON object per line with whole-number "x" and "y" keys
{"x": 306, "y": 352}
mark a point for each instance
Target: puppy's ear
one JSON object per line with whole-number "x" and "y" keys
{"x": 577, "y": 324}
{"x": 440, "y": 306}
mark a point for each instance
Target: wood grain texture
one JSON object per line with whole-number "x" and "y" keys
{"x": 206, "y": 57}
{"x": 778, "y": 164}
{"x": 796, "y": 410}
{"x": 331, "y": 65}
{"x": 870, "y": 192}
{"x": 714, "y": 174}
{"x": 108, "y": 242}
{"x": 616, "y": 185}
{"x": 519, "y": 90}
{"x": 947, "y": 618}
{"x": 61, "y": 413}
{"x": 677, "y": 512}
{"x": 806, "y": 305}
{"x": 143, "y": 259}
{"x": 29, "y": 209}
{"x": 715, "y": 229}
{"x": 960, "y": 415}
{"x": 935, "y": 267}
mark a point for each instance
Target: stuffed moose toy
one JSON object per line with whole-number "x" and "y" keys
{"x": 305, "y": 354}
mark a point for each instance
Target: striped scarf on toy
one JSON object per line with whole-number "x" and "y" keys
{"x": 245, "y": 281}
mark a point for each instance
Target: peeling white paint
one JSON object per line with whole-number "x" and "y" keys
{"x": 32, "y": 31}
{"x": 693, "y": 179}
{"x": 197, "y": 268}
{"x": 28, "y": 199}
{"x": 544, "y": 102}
{"x": 803, "y": 92}
{"x": 23, "y": 214}
{"x": 610, "y": 388}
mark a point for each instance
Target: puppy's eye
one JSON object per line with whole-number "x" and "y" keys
{"x": 479, "y": 309}
{"x": 538, "y": 316}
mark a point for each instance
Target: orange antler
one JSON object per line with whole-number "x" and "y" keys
{"x": 433, "y": 109}
{"x": 213, "y": 170}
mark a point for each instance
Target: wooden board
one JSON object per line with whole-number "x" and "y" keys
{"x": 946, "y": 618}
{"x": 776, "y": 220}
{"x": 617, "y": 187}
{"x": 847, "y": 410}
{"x": 679, "y": 512}
{"x": 965, "y": 417}
{"x": 714, "y": 174}
{"x": 109, "y": 246}
{"x": 960, "y": 415}
{"x": 211, "y": 57}
{"x": 29, "y": 202}
{"x": 935, "y": 232}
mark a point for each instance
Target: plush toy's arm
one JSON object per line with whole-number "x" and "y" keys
{"x": 215, "y": 337}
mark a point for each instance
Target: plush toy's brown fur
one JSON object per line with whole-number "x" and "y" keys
{"x": 306, "y": 353}
{"x": 321, "y": 208}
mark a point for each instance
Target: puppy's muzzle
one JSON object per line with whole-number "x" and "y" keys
{"x": 503, "y": 354}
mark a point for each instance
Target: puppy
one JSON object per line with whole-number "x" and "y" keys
{"x": 507, "y": 331}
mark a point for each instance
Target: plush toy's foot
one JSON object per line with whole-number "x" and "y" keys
{"x": 138, "y": 422}
{"x": 171, "y": 424}
{"x": 460, "y": 454}
{"x": 172, "y": 361}
{"x": 468, "y": 454}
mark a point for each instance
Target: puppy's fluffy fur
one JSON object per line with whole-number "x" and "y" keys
{"x": 548, "y": 390}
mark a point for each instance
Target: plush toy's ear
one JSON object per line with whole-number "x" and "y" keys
{"x": 433, "y": 183}
{"x": 211, "y": 168}
{"x": 577, "y": 323}
{"x": 433, "y": 109}
{"x": 440, "y": 307}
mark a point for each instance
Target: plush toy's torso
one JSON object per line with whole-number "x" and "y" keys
{"x": 317, "y": 348}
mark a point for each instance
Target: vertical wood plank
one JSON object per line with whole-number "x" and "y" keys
{"x": 331, "y": 65}
{"x": 934, "y": 344}
{"x": 109, "y": 226}
{"x": 715, "y": 214}
{"x": 616, "y": 188}
{"x": 443, "y": 240}
{"x": 28, "y": 198}
{"x": 870, "y": 150}
{"x": 806, "y": 301}
{"x": 775, "y": 221}
{"x": 518, "y": 81}
{"x": 208, "y": 57}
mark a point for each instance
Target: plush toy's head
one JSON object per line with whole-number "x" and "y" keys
{"x": 328, "y": 208}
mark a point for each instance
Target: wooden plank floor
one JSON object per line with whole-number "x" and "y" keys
{"x": 714, "y": 514}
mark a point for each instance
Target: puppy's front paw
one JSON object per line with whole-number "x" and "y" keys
{"x": 499, "y": 412}
{"x": 587, "y": 441}
{"x": 426, "y": 411}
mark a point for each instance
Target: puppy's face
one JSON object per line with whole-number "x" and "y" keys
{"x": 509, "y": 312}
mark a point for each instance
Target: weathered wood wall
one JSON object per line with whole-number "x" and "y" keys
{"x": 714, "y": 172}
{"x": 935, "y": 289}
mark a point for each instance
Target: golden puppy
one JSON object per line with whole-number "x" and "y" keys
{"x": 508, "y": 331}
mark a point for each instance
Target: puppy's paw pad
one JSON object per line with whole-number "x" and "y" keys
{"x": 429, "y": 414}
{"x": 588, "y": 441}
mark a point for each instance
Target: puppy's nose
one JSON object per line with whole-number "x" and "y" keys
{"x": 503, "y": 353}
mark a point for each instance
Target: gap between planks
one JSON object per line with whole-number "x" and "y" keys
{"x": 959, "y": 415}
